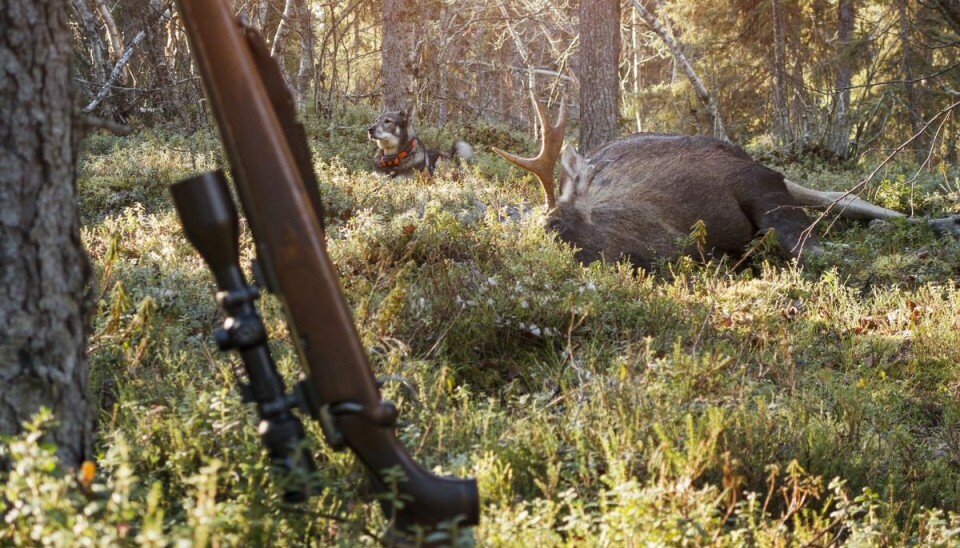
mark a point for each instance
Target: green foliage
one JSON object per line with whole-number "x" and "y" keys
{"x": 595, "y": 405}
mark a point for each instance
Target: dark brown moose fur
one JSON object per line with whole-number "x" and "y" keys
{"x": 639, "y": 197}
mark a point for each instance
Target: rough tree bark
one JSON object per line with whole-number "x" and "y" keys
{"x": 676, "y": 50}
{"x": 398, "y": 53}
{"x": 43, "y": 269}
{"x": 599, "y": 72}
{"x": 839, "y": 135}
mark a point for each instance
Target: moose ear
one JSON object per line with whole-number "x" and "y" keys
{"x": 574, "y": 168}
{"x": 571, "y": 161}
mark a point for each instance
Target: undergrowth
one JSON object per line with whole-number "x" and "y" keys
{"x": 595, "y": 405}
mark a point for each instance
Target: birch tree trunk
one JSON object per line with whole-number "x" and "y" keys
{"x": 279, "y": 46}
{"x": 599, "y": 72}
{"x": 305, "y": 72}
{"x": 635, "y": 68}
{"x": 97, "y": 49}
{"x": 113, "y": 34}
{"x": 259, "y": 11}
{"x": 704, "y": 96}
{"x": 43, "y": 270}
{"x": 116, "y": 42}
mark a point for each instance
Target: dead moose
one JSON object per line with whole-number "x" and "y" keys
{"x": 638, "y": 196}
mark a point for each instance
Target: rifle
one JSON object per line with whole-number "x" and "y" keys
{"x": 270, "y": 162}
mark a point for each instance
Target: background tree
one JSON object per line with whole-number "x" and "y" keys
{"x": 599, "y": 72}
{"x": 306, "y": 68}
{"x": 399, "y": 53}
{"x": 830, "y": 77}
{"x": 43, "y": 269}
{"x": 908, "y": 61}
{"x": 704, "y": 96}
{"x": 839, "y": 137}
{"x": 782, "y": 128}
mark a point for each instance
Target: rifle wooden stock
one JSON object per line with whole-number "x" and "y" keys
{"x": 285, "y": 217}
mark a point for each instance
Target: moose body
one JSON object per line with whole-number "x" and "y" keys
{"x": 639, "y": 197}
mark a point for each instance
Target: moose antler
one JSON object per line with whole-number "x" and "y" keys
{"x": 543, "y": 163}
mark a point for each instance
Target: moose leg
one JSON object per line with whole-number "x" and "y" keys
{"x": 847, "y": 205}
{"x": 851, "y": 206}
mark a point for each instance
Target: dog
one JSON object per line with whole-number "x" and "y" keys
{"x": 401, "y": 153}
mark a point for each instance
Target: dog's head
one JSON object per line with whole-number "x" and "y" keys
{"x": 392, "y": 130}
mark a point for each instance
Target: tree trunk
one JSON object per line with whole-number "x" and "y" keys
{"x": 166, "y": 48}
{"x": 839, "y": 142}
{"x": 699, "y": 88}
{"x": 524, "y": 61}
{"x": 443, "y": 83}
{"x": 635, "y": 68}
{"x": 783, "y": 129}
{"x": 906, "y": 70}
{"x": 113, "y": 34}
{"x": 43, "y": 269}
{"x": 305, "y": 72}
{"x": 799, "y": 112}
{"x": 599, "y": 72}
{"x": 398, "y": 53}
{"x": 116, "y": 41}
{"x": 279, "y": 46}
{"x": 98, "y": 61}
{"x": 259, "y": 11}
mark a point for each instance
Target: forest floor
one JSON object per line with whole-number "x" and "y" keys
{"x": 696, "y": 404}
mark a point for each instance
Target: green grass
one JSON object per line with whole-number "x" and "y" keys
{"x": 696, "y": 405}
